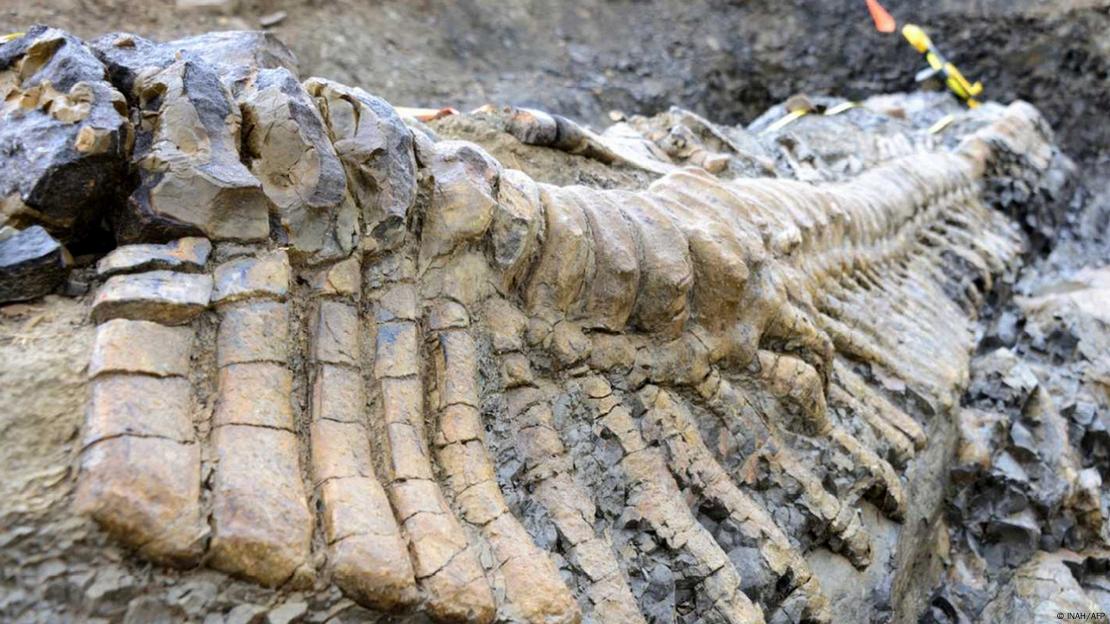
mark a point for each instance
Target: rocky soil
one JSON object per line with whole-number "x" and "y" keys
{"x": 726, "y": 60}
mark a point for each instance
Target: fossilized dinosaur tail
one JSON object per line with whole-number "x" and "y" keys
{"x": 747, "y": 312}
{"x": 395, "y": 365}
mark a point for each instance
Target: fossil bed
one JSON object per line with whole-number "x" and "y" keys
{"x": 305, "y": 358}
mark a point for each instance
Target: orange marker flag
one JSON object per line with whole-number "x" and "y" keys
{"x": 883, "y": 20}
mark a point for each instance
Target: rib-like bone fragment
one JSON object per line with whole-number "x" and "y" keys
{"x": 444, "y": 561}
{"x": 262, "y": 527}
{"x": 772, "y": 458}
{"x": 533, "y": 590}
{"x": 162, "y": 296}
{"x": 549, "y": 469}
{"x": 367, "y": 555}
{"x": 667, "y": 423}
{"x": 656, "y": 497}
{"x": 140, "y": 461}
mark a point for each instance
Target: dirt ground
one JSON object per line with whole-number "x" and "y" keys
{"x": 726, "y": 60}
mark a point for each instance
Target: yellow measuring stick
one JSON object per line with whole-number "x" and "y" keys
{"x": 953, "y": 78}
{"x": 840, "y": 108}
{"x": 784, "y": 121}
{"x": 796, "y": 114}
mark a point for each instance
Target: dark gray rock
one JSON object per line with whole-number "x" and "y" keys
{"x": 65, "y": 137}
{"x": 753, "y": 572}
{"x": 246, "y": 614}
{"x": 32, "y": 264}
{"x": 1023, "y": 442}
{"x": 233, "y": 54}
{"x": 255, "y": 49}
{"x": 151, "y": 610}
{"x": 191, "y": 180}
{"x": 287, "y": 613}
{"x": 1012, "y": 539}
{"x": 77, "y": 284}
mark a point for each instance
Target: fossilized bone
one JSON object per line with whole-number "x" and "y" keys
{"x": 706, "y": 334}
{"x": 419, "y": 343}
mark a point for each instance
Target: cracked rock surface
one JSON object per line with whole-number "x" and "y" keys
{"x": 66, "y": 134}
